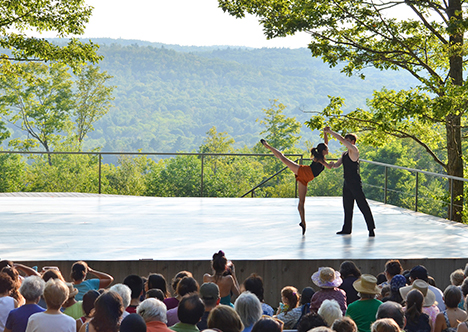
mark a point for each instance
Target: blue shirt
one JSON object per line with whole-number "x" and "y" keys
{"x": 18, "y": 318}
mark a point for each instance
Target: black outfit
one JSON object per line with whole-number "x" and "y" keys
{"x": 317, "y": 168}
{"x": 203, "y": 323}
{"x": 421, "y": 325}
{"x": 352, "y": 191}
{"x": 351, "y": 292}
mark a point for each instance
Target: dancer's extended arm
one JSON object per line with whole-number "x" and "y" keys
{"x": 352, "y": 149}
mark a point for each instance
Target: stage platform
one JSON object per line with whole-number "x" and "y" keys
{"x": 69, "y": 227}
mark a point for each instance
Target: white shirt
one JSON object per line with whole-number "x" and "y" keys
{"x": 42, "y": 322}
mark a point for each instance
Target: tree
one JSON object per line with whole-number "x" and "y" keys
{"x": 362, "y": 33}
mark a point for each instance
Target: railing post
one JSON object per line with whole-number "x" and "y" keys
{"x": 416, "y": 197}
{"x": 451, "y": 199}
{"x": 385, "y": 185}
{"x": 100, "y": 156}
{"x": 201, "y": 184}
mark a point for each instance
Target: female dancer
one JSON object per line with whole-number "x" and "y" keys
{"x": 305, "y": 174}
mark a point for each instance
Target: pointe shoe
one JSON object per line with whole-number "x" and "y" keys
{"x": 343, "y": 233}
{"x": 303, "y": 228}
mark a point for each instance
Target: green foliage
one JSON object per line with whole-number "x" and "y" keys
{"x": 12, "y": 174}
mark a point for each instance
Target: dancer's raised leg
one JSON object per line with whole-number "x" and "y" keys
{"x": 278, "y": 154}
{"x": 302, "y": 189}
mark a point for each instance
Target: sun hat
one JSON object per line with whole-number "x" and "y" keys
{"x": 72, "y": 291}
{"x": 423, "y": 287}
{"x": 326, "y": 277}
{"x": 209, "y": 291}
{"x": 366, "y": 284}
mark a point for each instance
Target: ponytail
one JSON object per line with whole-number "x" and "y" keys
{"x": 318, "y": 151}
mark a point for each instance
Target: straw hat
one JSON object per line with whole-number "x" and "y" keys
{"x": 366, "y": 284}
{"x": 326, "y": 277}
{"x": 423, "y": 287}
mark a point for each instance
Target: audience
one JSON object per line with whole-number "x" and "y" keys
{"x": 310, "y": 321}
{"x": 88, "y": 304}
{"x": 429, "y": 303}
{"x": 190, "y": 311}
{"x": 392, "y": 310}
{"x": 155, "y": 293}
{"x": 125, "y": 294}
{"x": 173, "y": 302}
{"x": 225, "y": 318}
{"x": 392, "y": 268}
{"x": 7, "y": 303}
{"x": 78, "y": 275}
{"x": 268, "y": 324}
{"x": 416, "y": 319}
{"x": 385, "y": 325}
{"x": 254, "y": 284}
{"x": 328, "y": 280}
{"x": 108, "y": 310}
{"x": 249, "y": 308}
{"x": 186, "y": 285}
{"x": 133, "y": 323}
{"x": 344, "y": 324}
{"x": 157, "y": 281}
{"x": 419, "y": 272}
{"x": 288, "y": 312}
{"x": 449, "y": 319}
{"x": 398, "y": 281}
{"x": 349, "y": 273}
{"x": 14, "y": 275}
{"x": 72, "y": 307}
{"x": 153, "y": 312}
{"x": 135, "y": 283}
{"x": 330, "y": 311}
{"x": 209, "y": 293}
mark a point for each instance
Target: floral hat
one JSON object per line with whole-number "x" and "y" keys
{"x": 326, "y": 277}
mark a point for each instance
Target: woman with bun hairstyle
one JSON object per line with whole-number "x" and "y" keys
{"x": 224, "y": 275}
{"x": 79, "y": 271}
{"x": 304, "y": 174}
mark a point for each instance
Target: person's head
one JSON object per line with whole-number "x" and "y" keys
{"x": 32, "y": 288}
{"x": 423, "y": 287}
{"x": 330, "y": 311}
{"x": 55, "y": 293}
{"x": 344, "y": 324}
{"x": 320, "y": 151}
{"x": 155, "y": 293}
{"x": 153, "y": 310}
{"x": 13, "y": 273}
{"x": 135, "y": 283}
{"x": 457, "y": 277}
{"x": 5, "y": 263}
{"x": 6, "y": 283}
{"x": 190, "y": 309}
{"x": 321, "y": 329}
{"x": 464, "y": 287}
{"x": 352, "y": 138}
{"x": 392, "y": 268}
{"x": 52, "y": 274}
{"x": 133, "y": 323}
{"x": 290, "y": 297}
{"x": 327, "y": 277}
{"x": 108, "y": 309}
{"x": 249, "y": 308}
{"x": 156, "y": 280}
{"x": 419, "y": 272}
{"x": 452, "y": 296}
{"x": 366, "y": 286}
{"x": 385, "y": 325}
{"x": 386, "y": 291}
{"x": 306, "y": 295}
{"x": 79, "y": 270}
{"x": 219, "y": 262}
{"x": 225, "y": 318}
{"x": 254, "y": 284}
{"x": 309, "y": 321}
{"x": 125, "y": 293}
{"x": 187, "y": 285}
{"x": 178, "y": 277}
{"x": 348, "y": 268}
{"x": 414, "y": 305}
{"x": 268, "y": 324}
{"x": 88, "y": 301}
{"x": 392, "y": 310}
{"x": 209, "y": 293}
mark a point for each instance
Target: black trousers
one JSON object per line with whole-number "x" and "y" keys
{"x": 352, "y": 191}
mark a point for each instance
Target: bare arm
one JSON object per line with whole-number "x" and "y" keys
{"x": 235, "y": 285}
{"x": 352, "y": 149}
{"x": 325, "y": 137}
{"x": 29, "y": 271}
{"x": 104, "y": 278}
{"x": 327, "y": 165}
{"x": 338, "y": 163}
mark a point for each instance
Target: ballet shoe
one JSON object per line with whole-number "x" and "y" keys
{"x": 343, "y": 233}
{"x": 303, "y": 228}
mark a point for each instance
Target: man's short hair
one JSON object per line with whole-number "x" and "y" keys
{"x": 309, "y": 321}
{"x": 136, "y": 285}
{"x": 392, "y": 310}
{"x": 351, "y": 136}
{"x": 393, "y": 267}
{"x": 191, "y": 309}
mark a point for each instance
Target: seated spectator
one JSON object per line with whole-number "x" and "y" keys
{"x": 224, "y": 275}
{"x": 186, "y": 285}
{"x": 153, "y": 312}
{"x": 268, "y": 324}
{"x": 330, "y": 311}
{"x": 349, "y": 273}
{"x": 28, "y": 271}
{"x": 49, "y": 273}
{"x": 133, "y": 323}
{"x": 249, "y": 308}
{"x": 14, "y": 275}
{"x": 310, "y": 321}
{"x": 457, "y": 277}
{"x": 157, "y": 281}
{"x": 31, "y": 289}
{"x": 108, "y": 310}
{"x": 88, "y": 304}
{"x": 209, "y": 293}
{"x": 225, "y": 318}
{"x": 72, "y": 307}
{"x": 155, "y": 293}
{"x": 125, "y": 294}
{"x": 135, "y": 283}
{"x": 463, "y": 326}
{"x": 173, "y": 302}
{"x": 397, "y": 282}
{"x": 364, "y": 310}
{"x": 344, "y": 324}
{"x": 328, "y": 280}
{"x": 392, "y": 268}
{"x": 429, "y": 303}
{"x": 7, "y": 303}
{"x": 419, "y": 272}
{"x": 385, "y": 325}
{"x": 191, "y": 309}
{"x": 254, "y": 284}
{"x": 416, "y": 319}
{"x": 55, "y": 295}
{"x": 392, "y": 310}
{"x": 79, "y": 271}
{"x": 304, "y": 303}
{"x": 449, "y": 319}
{"x": 321, "y": 329}
{"x": 288, "y": 312}
{"x": 464, "y": 289}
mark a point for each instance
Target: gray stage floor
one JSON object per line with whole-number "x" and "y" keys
{"x": 92, "y": 227}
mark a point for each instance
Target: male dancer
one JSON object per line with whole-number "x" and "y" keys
{"x": 352, "y": 185}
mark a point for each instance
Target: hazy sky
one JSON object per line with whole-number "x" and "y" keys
{"x": 183, "y": 22}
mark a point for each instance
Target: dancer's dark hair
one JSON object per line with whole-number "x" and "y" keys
{"x": 318, "y": 151}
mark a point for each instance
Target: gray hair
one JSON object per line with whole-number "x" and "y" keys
{"x": 152, "y": 309}
{"x": 249, "y": 308}
{"x": 32, "y": 288}
{"x": 125, "y": 293}
{"x": 330, "y": 311}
